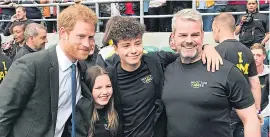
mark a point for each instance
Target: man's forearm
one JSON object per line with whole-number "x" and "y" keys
{"x": 237, "y": 29}
{"x": 252, "y": 128}
{"x": 256, "y": 92}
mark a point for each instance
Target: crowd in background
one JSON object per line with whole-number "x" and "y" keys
{"x": 122, "y": 43}
{"x": 151, "y": 7}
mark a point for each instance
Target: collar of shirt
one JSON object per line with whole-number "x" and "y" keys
{"x": 63, "y": 61}
{"x": 29, "y": 49}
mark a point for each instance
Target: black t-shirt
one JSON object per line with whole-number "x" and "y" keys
{"x": 259, "y": 26}
{"x": 137, "y": 95}
{"x": 198, "y": 103}
{"x": 5, "y": 63}
{"x": 237, "y": 53}
{"x": 101, "y": 126}
{"x": 265, "y": 93}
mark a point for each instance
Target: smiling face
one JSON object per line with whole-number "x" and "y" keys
{"x": 18, "y": 33}
{"x": 78, "y": 42}
{"x": 130, "y": 52}
{"x": 102, "y": 90}
{"x": 188, "y": 39}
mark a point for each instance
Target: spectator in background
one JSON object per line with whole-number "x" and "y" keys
{"x": 236, "y": 6}
{"x": 5, "y": 63}
{"x": 105, "y": 11}
{"x": 49, "y": 12}
{"x": 32, "y": 12}
{"x": 206, "y": 6}
{"x": 35, "y": 36}
{"x": 157, "y": 7}
{"x": 129, "y": 8}
{"x": 252, "y": 27}
{"x": 17, "y": 30}
{"x": 264, "y": 5}
{"x": 220, "y": 5}
{"x": 7, "y": 13}
{"x": 175, "y": 6}
{"x": 108, "y": 45}
{"x": 259, "y": 54}
{"x": 19, "y": 16}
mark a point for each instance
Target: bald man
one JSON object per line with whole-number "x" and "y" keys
{"x": 234, "y": 51}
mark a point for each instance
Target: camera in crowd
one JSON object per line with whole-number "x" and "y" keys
{"x": 249, "y": 18}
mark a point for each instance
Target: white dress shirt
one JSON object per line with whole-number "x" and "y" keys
{"x": 65, "y": 96}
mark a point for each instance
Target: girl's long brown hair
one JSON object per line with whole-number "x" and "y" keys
{"x": 112, "y": 117}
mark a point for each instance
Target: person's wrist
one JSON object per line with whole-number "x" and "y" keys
{"x": 241, "y": 23}
{"x": 259, "y": 111}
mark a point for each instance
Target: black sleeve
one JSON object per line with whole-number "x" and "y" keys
{"x": 252, "y": 68}
{"x": 6, "y": 31}
{"x": 165, "y": 57}
{"x": 16, "y": 88}
{"x": 100, "y": 61}
{"x": 221, "y": 51}
{"x": 238, "y": 90}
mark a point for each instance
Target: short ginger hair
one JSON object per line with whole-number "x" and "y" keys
{"x": 77, "y": 12}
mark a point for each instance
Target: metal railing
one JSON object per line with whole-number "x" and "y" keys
{"x": 97, "y": 2}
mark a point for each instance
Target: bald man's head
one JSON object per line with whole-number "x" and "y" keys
{"x": 224, "y": 21}
{"x": 223, "y": 26}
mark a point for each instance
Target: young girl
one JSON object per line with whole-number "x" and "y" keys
{"x": 104, "y": 120}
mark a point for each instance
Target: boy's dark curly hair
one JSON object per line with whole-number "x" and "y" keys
{"x": 126, "y": 28}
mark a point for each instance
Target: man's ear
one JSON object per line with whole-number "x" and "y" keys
{"x": 172, "y": 35}
{"x": 63, "y": 33}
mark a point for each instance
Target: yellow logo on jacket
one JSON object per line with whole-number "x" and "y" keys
{"x": 3, "y": 73}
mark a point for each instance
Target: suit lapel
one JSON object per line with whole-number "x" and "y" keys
{"x": 54, "y": 82}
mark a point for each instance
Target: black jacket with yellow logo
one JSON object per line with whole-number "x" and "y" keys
{"x": 5, "y": 63}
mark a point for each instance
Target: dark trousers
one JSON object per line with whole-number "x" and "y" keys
{"x": 157, "y": 24}
{"x": 51, "y": 25}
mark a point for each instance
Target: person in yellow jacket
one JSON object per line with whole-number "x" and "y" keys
{"x": 206, "y": 6}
